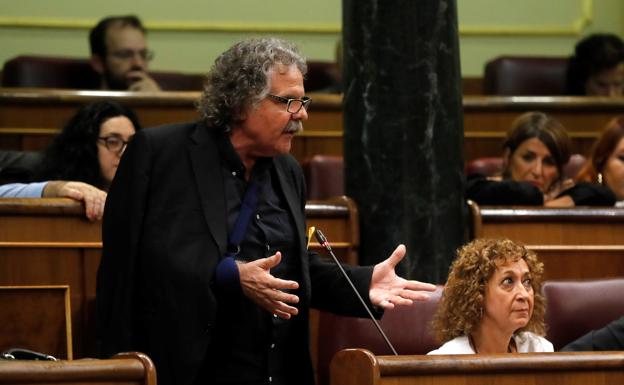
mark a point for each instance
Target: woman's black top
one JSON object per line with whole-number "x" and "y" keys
{"x": 507, "y": 192}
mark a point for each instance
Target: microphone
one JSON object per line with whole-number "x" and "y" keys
{"x": 323, "y": 241}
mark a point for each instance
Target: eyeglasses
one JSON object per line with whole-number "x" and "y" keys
{"x": 292, "y": 105}
{"x": 114, "y": 143}
{"x": 127, "y": 54}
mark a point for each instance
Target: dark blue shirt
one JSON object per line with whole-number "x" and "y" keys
{"x": 251, "y": 344}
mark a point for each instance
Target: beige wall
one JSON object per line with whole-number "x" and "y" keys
{"x": 490, "y": 28}
{"x": 188, "y": 34}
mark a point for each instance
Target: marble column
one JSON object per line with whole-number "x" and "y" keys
{"x": 403, "y": 131}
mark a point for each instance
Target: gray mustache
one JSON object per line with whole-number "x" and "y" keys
{"x": 293, "y": 127}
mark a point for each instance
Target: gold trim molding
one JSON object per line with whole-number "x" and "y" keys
{"x": 178, "y": 26}
{"x": 574, "y": 29}
{"x": 585, "y": 18}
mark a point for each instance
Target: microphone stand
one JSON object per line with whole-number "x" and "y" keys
{"x": 323, "y": 241}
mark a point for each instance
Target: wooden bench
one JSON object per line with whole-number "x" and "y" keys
{"x": 573, "y": 243}
{"x": 573, "y": 309}
{"x": 30, "y": 118}
{"x": 361, "y": 367}
{"x": 122, "y": 369}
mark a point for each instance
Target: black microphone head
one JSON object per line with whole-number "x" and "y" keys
{"x": 320, "y": 237}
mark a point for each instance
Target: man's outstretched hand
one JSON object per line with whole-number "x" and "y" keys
{"x": 388, "y": 290}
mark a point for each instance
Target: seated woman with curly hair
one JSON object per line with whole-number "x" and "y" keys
{"x": 492, "y": 301}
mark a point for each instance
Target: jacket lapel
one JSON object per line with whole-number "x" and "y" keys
{"x": 294, "y": 204}
{"x": 209, "y": 181}
{"x": 292, "y": 197}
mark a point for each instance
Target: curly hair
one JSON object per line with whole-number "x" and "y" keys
{"x": 460, "y": 308}
{"x": 241, "y": 77}
{"x": 73, "y": 154}
{"x": 602, "y": 149}
{"x": 592, "y": 55}
{"x": 545, "y": 128}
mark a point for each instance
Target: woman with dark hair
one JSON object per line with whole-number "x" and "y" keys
{"x": 597, "y": 67}
{"x": 89, "y": 147}
{"x": 535, "y": 152}
{"x": 492, "y": 301}
{"x": 606, "y": 163}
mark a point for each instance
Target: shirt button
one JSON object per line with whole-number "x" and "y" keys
{"x": 268, "y": 247}
{"x": 274, "y": 315}
{"x": 258, "y": 216}
{"x": 234, "y": 173}
{"x": 272, "y": 346}
{"x": 270, "y": 379}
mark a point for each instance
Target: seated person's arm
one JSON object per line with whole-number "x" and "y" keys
{"x": 486, "y": 191}
{"x": 93, "y": 197}
{"x": 610, "y": 337}
{"x": 584, "y": 194}
{"x": 22, "y": 190}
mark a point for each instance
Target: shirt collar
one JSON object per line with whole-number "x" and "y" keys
{"x": 233, "y": 162}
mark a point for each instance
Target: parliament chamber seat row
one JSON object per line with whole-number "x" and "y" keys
{"x": 505, "y": 75}
{"x": 37, "y": 71}
{"x": 573, "y": 309}
{"x": 324, "y": 174}
{"x": 30, "y": 118}
{"x": 65, "y": 250}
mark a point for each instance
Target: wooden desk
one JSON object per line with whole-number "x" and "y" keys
{"x": 361, "y": 367}
{"x": 122, "y": 369}
{"x": 29, "y": 118}
{"x": 49, "y": 242}
{"x": 338, "y": 219}
{"x": 573, "y": 243}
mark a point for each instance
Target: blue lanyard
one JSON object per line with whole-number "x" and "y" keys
{"x": 250, "y": 201}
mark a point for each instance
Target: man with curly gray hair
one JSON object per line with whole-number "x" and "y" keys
{"x": 205, "y": 266}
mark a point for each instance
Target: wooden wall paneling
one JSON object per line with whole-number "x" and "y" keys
{"x": 36, "y": 318}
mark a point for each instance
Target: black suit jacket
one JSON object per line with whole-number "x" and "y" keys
{"x": 610, "y": 337}
{"x": 164, "y": 232}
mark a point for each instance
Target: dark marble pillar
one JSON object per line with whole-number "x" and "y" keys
{"x": 403, "y": 130}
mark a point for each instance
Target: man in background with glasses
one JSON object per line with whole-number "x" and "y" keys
{"x": 205, "y": 266}
{"x": 120, "y": 55}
